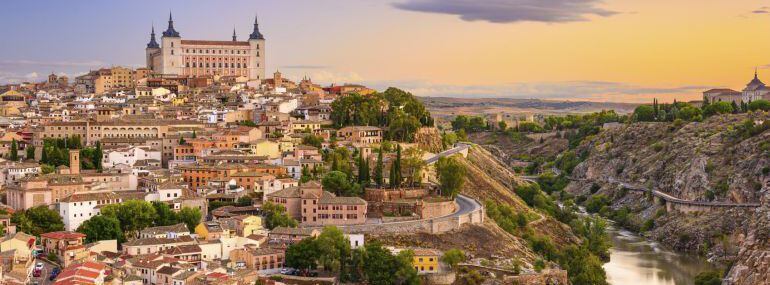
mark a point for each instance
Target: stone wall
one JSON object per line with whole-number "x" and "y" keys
{"x": 433, "y": 226}
{"x": 381, "y": 195}
{"x": 429, "y": 210}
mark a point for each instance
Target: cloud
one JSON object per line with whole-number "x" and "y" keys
{"x": 31, "y": 76}
{"x": 24, "y": 62}
{"x": 567, "y": 90}
{"x": 510, "y": 11}
{"x": 761, "y": 10}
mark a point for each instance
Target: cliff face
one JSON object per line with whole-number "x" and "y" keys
{"x": 714, "y": 160}
{"x": 685, "y": 161}
{"x": 752, "y": 264}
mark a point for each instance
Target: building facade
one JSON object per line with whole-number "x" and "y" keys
{"x": 177, "y": 57}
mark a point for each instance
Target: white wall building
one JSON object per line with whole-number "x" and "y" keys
{"x": 79, "y": 207}
{"x": 130, "y": 155}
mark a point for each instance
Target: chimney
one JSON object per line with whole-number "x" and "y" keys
{"x": 75, "y": 161}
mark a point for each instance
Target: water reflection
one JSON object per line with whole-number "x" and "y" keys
{"x": 634, "y": 260}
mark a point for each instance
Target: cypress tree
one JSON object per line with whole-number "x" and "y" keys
{"x": 14, "y": 150}
{"x": 398, "y": 166}
{"x": 392, "y": 176}
{"x": 367, "y": 174}
{"x": 378, "y": 169}
{"x": 97, "y": 156}
{"x": 44, "y": 157}
{"x": 30, "y": 152}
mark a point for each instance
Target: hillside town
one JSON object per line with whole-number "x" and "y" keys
{"x": 197, "y": 169}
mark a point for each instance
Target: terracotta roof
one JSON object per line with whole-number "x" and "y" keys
{"x": 63, "y": 235}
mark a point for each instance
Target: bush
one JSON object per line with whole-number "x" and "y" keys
{"x": 648, "y": 225}
{"x": 595, "y": 203}
{"x": 657, "y": 146}
{"x": 763, "y": 105}
{"x": 708, "y": 278}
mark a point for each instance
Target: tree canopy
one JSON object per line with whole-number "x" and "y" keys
{"x": 451, "y": 176}
{"x": 38, "y": 220}
{"x": 400, "y": 113}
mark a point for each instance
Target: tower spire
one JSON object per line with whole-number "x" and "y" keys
{"x": 256, "y": 35}
{"x": 755, "y": 72}
{"x": 234, "y": 37}
{"x": 153, "y": 43}
{"x": 170, "y": 32}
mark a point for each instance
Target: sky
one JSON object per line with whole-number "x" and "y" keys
{"x": 613, "y": 50}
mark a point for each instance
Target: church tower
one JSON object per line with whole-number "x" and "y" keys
{"x": 257, "y": 54}
{"x": 171, "y": 50}
{"x": 152, "y": 50}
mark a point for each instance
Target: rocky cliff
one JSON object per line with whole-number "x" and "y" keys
{"x": 723, "y": 159}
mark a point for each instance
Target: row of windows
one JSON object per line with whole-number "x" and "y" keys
{"x": 214, "y": 65}
{"x": 217, "y": 51}
{"x": 337, "y": 216}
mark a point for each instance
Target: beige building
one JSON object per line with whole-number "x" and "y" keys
{"x": 194, "y": 58}
{"x": 360, "y": 134}
{"x": 310, "y": 205}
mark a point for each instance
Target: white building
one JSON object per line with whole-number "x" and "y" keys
{"x": 11, "y": 172}
{"x": 130, "y": 156}
{"x": 79, "y": 207}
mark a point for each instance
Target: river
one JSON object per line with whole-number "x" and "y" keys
{"x": 635, "y": 260}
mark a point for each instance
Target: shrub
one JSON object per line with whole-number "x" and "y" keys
{"x": 657, "y": 146}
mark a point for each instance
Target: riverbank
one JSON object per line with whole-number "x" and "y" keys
{"x": 637, "y": 260}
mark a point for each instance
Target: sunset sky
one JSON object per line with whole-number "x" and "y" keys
{"x": 620, "y": 50}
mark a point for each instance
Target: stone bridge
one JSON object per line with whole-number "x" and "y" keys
{"x": 682, "y": 205}
{"x": 460, "y": 148}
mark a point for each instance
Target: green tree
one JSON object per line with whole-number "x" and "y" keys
{"x": 98, "y": 154}
{"x": 30, "y": 152}
{"x": 718, "y": 108}
{"x": 453, "y": 256}
{"x": 101, "y": 228}
{"x": 38, "y": 220}
{"x": 164, "y": 215}
{"x": 379, "y": 168}
{"x": 451, "y": 176}
{"x": 383, "y": 268}
{"x": 582, "y": 267}
{"x": 413, "y": 165}
{"x": 763, "y": 105}
{"x": 134, "y": 215}
{"x": 337, "y": 182}
{"x": 190, "y": 217}
{"x": 644, "y": 113}
{"x": 312, "y": 140}
{"x": 333, "y": 248}
{"x": 303, "y": 255}
{"x": 276, "y": 216}
{"x": 395, "y": 170}
{"x": 14, "y": 155}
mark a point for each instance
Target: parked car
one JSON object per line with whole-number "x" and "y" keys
{"x": 37, "y": 273}
{"x": 39, "y": 266}
{"x": 54, "y": 273}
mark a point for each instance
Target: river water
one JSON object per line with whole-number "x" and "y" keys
{"x": 635, "y": 260}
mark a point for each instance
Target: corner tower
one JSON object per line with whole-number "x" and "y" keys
{"x": 152, "y": 51}
{"x": 257, "y": 54}
{"x": 171, "y": 50}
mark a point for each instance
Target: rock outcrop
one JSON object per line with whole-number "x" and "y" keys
{"x": 429, "y": 139}
{"x": 715, "y": 160}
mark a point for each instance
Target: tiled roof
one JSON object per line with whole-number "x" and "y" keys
{"x": 63, "y": 235}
